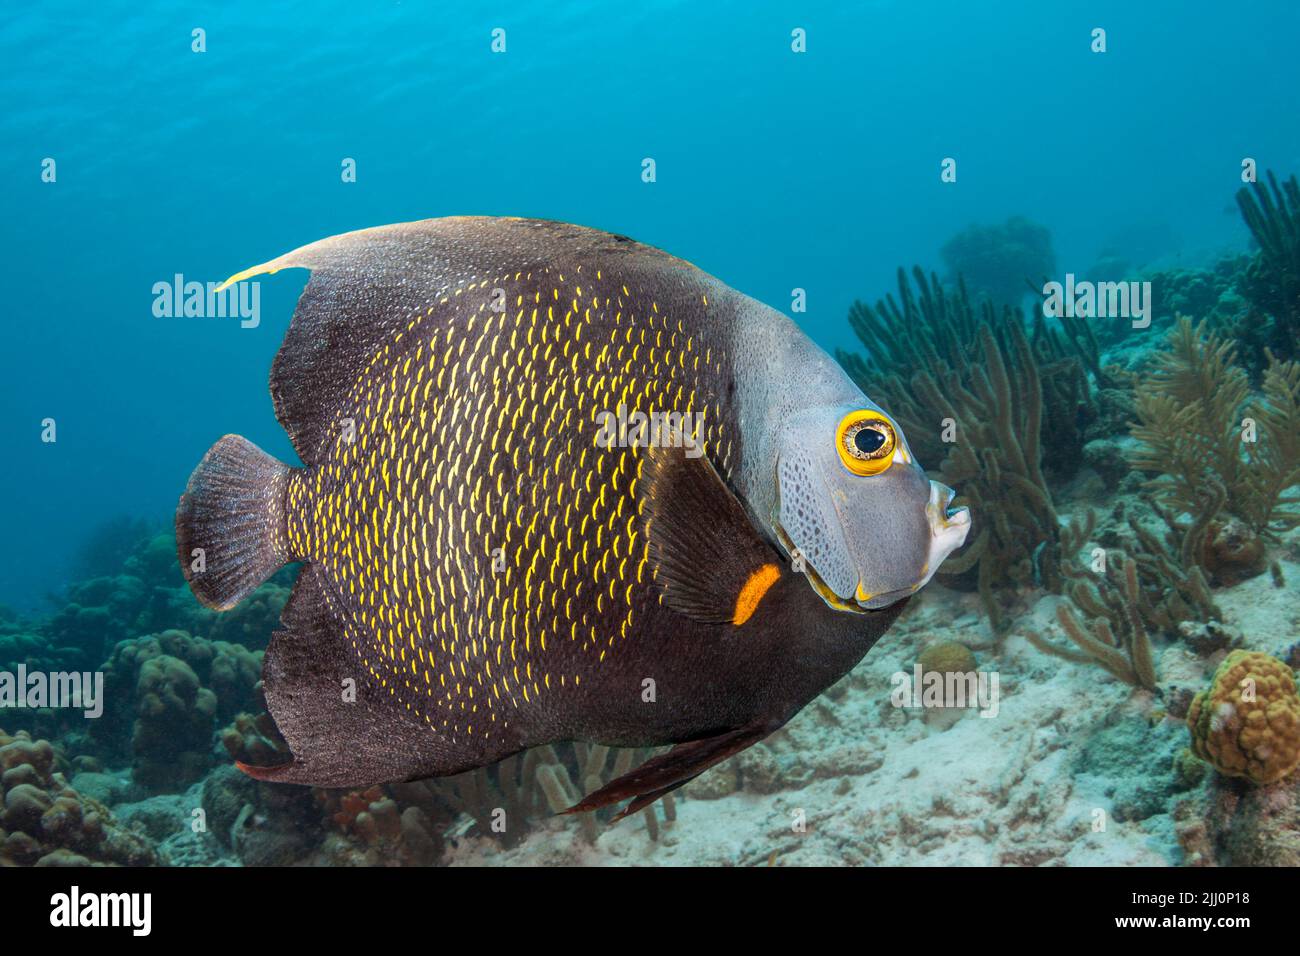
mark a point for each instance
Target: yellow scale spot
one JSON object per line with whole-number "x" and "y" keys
{"x": 477, "y": 449}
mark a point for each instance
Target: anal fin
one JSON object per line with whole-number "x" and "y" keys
{"x": 661, "y": 775}
{"x": 711, "y": 563}
{"x": 341, "y": 731}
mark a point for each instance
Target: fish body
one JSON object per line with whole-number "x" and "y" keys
{"x": 554, "y": 488}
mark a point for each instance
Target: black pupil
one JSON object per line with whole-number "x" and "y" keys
{"x": 868, "y": 440}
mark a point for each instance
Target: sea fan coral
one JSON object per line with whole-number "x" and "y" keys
{"x": 1272, "y": 281}
{"x": 1209, "y": 445}
{"x": 974, "y": 392}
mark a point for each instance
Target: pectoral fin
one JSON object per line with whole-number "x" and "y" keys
{"x": 662, "y": 775}
{"x": 711, "y": 563}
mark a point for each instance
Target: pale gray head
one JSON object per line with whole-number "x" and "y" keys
{"x": 854, "y": 505}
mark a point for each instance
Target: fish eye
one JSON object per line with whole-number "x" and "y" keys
{"x": 866, "y": 441}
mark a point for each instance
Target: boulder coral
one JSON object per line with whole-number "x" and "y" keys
{"x": 947, "y": 657}
{"x": 175, "y": 719}
{"x": 263, "y": 824}
{"x": 1247, "y": 724}
{"x": 45, "y": 822}
{"x": 166, "y": 693}
{"x": 1001, "y": 260}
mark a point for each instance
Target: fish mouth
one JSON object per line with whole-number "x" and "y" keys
{"x": 874, "y": 602}
{"x": 948, "y": 529}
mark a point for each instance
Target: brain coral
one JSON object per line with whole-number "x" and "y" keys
{"x": 1247, "y": 724}
{"x": 947, "y": 657}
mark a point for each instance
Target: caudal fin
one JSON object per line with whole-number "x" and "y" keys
{"x": 230, "y": 523}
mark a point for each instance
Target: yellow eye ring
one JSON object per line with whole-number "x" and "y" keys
{"x": 866, "y": 441}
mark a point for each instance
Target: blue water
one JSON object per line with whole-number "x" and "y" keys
{"x": 775, "y": 171}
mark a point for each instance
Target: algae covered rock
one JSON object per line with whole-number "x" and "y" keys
{"x": 1135, "y": 762}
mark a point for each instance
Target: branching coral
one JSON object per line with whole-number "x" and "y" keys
{"x": 1115, "y": 637}
{"x": 969, "y": 389}
{"x": 1187, "y": 408}
{"x": 1174, "y": 588}
{"x": 1216, "y": 453}
{"x": 1274, "y": 458}
{"x": 1147, "y": 588}
{"x": 502, "y": 799}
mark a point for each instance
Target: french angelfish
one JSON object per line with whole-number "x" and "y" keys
{"x": 557, "y": 485}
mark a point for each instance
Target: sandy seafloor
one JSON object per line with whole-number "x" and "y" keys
{"x": 883, "y": 786}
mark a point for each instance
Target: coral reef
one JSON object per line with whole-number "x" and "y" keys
{"x": 1217, "y": 454}
{"x": 968, "y": 389}
{"x": 261, "y": 824}
{"x": 376, "y": 828}
{"x": 174, "y": 723}
{"x": 1247, "y": 723}
{"x": 147, "y": 594}
{"x": 1173, "y": 590}
{"x": 1272, "y": 280}
{"x": 170, "y": 689}
{"x": 1213, "y": 294}
{"x": 1002, "y": 261}
{"x": 45, "y": 822}
{"x": 502, "y": 799}
{"x": 1142, "y": 585}
{"x": 1116, "y": 637}
{"x": 1040, "y": 447}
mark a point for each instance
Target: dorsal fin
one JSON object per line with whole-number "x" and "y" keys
{"x": 367, "y": 286}
{"x": 711, "y": 563}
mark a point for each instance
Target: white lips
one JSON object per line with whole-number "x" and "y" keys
{"x": 948, "y": 528}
